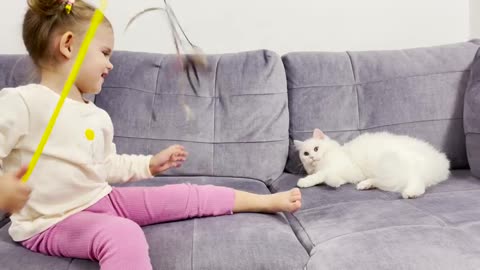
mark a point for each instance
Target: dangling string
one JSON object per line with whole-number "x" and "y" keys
{"x": 187, "y": 62}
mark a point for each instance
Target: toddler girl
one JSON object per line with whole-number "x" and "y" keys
{"x": 73, "y": 211}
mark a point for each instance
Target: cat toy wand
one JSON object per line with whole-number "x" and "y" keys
{"x": 188, "y": 62}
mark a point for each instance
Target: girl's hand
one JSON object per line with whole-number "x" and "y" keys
{"x": 13, "y": 193}
{"x": 173, "y": 156}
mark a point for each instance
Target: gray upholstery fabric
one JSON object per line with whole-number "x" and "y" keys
{"x": 13, "y": 256}
{"x": 237, "y": 242}
{"x": 240, "y": 124}
{"x": 417, "y": 92}
{"x": 16, "y": 70}
{"x": 349, "y": 229}
{"x": 472, "y": 117}
{"x": 225, "y": 242}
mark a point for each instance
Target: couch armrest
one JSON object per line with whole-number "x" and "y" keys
{"x": 471, "y": 117}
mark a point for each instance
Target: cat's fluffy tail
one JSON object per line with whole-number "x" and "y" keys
{"x": 436, "y": 170}
{"x": 395, "y": 170}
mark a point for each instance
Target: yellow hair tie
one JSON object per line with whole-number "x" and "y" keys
{"x": 69, "y": 5}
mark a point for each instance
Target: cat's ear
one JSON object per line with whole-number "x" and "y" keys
{"x": 298, "y": 144}
{"x": 318, "y": 134}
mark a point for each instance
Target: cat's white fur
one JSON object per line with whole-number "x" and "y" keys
{"x": 383, "y": 160}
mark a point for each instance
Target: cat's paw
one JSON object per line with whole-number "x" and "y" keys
{"x": 365, "y": 184}
{"x": 308, "y": 181}
{"x": 412, "y": 192}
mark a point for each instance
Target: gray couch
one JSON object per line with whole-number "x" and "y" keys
{"x": 248, "y": 109}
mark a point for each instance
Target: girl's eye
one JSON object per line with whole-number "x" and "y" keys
{"x": 315, "y": 149}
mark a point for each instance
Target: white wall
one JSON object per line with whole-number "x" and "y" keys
{"x": 475, "y": 18}
{"x": 220, "y": 26}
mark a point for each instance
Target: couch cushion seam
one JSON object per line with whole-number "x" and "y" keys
{"x": 374, "y": 82}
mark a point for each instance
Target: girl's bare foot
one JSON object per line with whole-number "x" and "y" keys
{"x": 286, "y": 201}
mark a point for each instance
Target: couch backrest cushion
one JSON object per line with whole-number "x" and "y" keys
{"x": 240, "y": 114}
{"x": 417, "y": 92}
{"x": 16, "y": 70}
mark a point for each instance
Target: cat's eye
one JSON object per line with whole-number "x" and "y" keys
{"x": 315, "y": 149}
{"x": 305, "y": 153}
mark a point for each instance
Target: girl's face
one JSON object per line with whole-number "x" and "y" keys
{"x": 96, "y": 64}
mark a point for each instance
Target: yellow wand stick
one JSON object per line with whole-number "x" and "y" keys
{"x": 96, "y": 21}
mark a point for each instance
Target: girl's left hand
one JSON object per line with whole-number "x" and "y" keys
{"x": 173, "y": 156}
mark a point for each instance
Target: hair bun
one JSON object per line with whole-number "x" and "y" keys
{"x": 46, "y": 7}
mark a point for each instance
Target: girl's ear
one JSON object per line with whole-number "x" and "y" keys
{"x": 66, "y": 45}
{"x": 318, "y": 134}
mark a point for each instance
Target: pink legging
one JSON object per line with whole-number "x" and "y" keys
{"x": 109, "y": 231}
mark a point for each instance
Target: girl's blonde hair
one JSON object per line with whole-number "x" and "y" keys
{"x": 45, "y": 18}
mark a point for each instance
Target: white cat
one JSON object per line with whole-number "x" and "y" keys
{"x": 386, "y": 161}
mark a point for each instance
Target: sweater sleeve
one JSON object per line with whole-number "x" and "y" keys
{"x": 125, "y": 168}
{"x": 14, "y": 121}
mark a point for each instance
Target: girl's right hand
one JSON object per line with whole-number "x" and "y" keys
{"x": 14, "y": 193}
{"x": 173, "y": 156}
